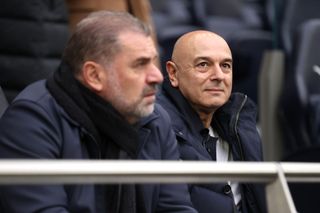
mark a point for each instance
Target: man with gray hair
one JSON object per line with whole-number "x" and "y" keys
{"x": 100, "y": 104}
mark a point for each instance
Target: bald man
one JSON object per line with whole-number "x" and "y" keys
{"x": 210, "y": 123}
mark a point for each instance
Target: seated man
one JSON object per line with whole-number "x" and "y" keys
{"x": 98, "y": 105}
{"x": 210, "y": 122}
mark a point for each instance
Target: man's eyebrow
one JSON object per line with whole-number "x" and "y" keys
{"x": 144, "y": 59}
{"x": 202, "y": 58}
{"x": 147, "y": 57}
{"x": 228, "y": 60}
{"x": 140, "y": 59}
{"x": 209, "y": 59}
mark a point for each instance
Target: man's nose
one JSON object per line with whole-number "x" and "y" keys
{"x": 154, "y": 75}
{"x": 216, "y": 73}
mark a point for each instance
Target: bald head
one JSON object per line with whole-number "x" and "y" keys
{"x": 193, "y": 42}
{"x": 201, "y": 69}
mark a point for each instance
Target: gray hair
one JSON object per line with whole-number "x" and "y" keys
{"x": 96, "y": 38}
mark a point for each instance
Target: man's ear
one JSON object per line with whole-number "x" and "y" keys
{"x": 92, "y": 75}
{"x": 172, "y": 73}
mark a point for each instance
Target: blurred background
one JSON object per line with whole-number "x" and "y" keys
{"x": 275, "y": 46}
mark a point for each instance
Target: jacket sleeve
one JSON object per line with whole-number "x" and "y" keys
{"x": 173, "y": 197}
{"x": 28, "y": 132}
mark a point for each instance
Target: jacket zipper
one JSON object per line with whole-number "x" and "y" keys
{"x": 235, "y": 127}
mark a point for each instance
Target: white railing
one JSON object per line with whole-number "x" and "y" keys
{"x": 276, "y": 175}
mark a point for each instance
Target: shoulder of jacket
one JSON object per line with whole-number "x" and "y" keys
{"x": 37, "y": 94}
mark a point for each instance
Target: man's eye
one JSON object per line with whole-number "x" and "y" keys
{"x": 202, "y": 64}
{"x": 141, "y": 63}
{"x": 226, "y": 66}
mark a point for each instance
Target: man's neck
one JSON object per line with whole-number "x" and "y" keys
{"x": 206, "y": 118}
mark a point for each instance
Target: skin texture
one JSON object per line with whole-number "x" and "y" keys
{"x": 201, "y": 68}
{"x": 130, "y": 81}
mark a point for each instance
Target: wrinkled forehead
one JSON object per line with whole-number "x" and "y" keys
{"x": 201, "y": 45}
{"x": 136, "y": 46}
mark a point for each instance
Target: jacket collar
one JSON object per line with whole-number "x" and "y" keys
{"x": 144, "y": 130}
{"x": 223, "y": 120}
{"x": 186, "y": 112}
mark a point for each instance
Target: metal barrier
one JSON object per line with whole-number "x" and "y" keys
{"x": 274, "y": 174}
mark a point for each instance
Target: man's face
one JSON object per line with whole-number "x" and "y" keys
{"x": 132, "y": 78}
{"x": 204, "y": 72}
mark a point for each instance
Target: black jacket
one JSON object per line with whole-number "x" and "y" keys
{"x": 35, "y": 126}
{"x": 235, "y": 123}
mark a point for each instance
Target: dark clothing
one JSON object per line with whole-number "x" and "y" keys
{"x": 235, "y": 123}
{"x": 92, "y": 112}
{"x": 3, "y": 102}
{"x": 33, "y": 36}
{"x": 314, "y": 119}
{"x": 36, "y": 126}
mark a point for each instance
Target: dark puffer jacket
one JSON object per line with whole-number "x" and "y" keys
{"x": 36, "y": 127}
{"x": 33, "y": 35}
{"x": 235, "y": 123}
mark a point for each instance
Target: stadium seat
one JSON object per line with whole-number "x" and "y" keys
{"x": 33, "y": 36}
{"x": 305, "y": 195}
{"x": 302, "y": 86}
